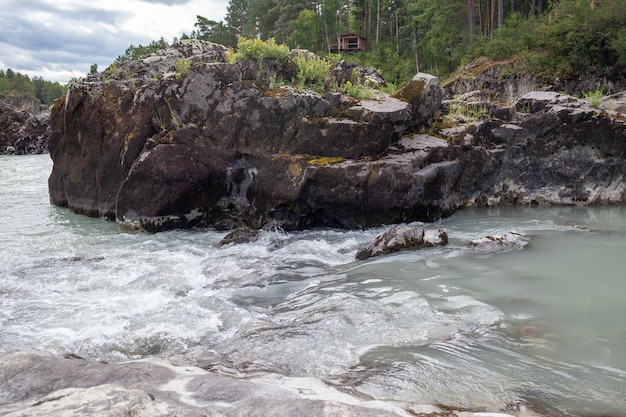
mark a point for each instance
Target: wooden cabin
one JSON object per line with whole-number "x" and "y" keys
{"x": 349, "y": 42}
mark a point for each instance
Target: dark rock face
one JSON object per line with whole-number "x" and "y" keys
{"x": 24, "y": 128}
{"x": 221, "y": 147}
{"x": 558, "y": 151}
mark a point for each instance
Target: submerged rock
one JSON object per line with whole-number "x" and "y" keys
{"x": 510, "y": 240}
{"x": 241, "y": 235}
{"x": 403, "y": 238}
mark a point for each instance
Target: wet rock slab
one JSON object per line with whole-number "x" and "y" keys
{"x": 41, "y": 385}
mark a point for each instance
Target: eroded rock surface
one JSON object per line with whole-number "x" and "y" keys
{"x": 558, "y": 150}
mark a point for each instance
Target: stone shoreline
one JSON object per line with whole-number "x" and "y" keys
{"x": 38, "y": 385}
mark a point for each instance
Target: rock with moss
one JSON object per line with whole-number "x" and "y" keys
{"x": 424, "y": 95}
{"x": 218, "y": 144}
{"x": 226, "y": 145}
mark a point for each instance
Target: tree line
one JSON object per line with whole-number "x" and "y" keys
{"x": 15, "y": 84}
{"x": 553, "y": 37}
{"x": 556, "y": 37}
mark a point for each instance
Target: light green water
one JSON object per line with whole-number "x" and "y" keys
{"x": 541, "y": 326}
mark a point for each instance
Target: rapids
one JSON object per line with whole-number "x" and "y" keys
{"x": 542, "y": 326}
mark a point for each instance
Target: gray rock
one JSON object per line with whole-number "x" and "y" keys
{"x": 424, "y": 95}
{"x": 36, "y": 386}
{"x": 403, "y": 238}
{"x": 510, "y": 240}
{"x": 220, "y": 147}
{"x": 563, "y": 153}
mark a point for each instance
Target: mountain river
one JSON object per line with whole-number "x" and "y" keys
{"x": 542, "y": 326}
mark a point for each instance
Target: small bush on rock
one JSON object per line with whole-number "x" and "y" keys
{"x": 312, "y": 71}
{"x": 258, "y": 49}
{"x": 182, "y": 67}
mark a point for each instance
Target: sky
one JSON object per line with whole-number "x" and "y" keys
{"x": 61, "y": 39}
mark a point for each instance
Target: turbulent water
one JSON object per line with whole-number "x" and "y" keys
{"x": 542, "y": 326}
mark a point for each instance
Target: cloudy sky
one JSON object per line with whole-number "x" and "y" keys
{"x": 61, "y": 39}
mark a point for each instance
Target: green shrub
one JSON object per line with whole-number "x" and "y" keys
{"x": 594, "y": 98}
{"x": 312, "y": 71}
{"x": 470, "y": 112}
{"x": 258, "y": 49}
{"x": 182, "y": 67}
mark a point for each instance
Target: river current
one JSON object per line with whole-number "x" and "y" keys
{"x": 542, "y": 326}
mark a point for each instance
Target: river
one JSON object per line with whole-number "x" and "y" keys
{"x": 542, "y": 326}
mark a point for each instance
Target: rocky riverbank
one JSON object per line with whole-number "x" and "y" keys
{"x": 24, "y": 126}
{"x": 221, "y": 146}
{"x": 42, "y": 385}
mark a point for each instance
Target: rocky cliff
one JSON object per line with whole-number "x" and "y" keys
{"x": 221, "y": 145}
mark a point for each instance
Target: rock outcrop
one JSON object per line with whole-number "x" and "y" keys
{"x": 223, "y": 146}
{"x": 557, "y": 150}
{"x": 220, "y": 147}
{"x": 507, "y": 80}
{"x": 24, "y": 127}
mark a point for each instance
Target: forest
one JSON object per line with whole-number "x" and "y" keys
{"x": 15, "y": 84}
{"x": 551, "y": 37}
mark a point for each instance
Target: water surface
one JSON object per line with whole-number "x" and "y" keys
{"x": 542, "y": 325}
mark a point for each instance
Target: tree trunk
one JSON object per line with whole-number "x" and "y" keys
{"x": 378, "y": 21}
{"x": 492, "y": 18}
{"x": 470, "y": 20}
{"x": 480, "y": 17}
{"x": 368, "y": 24}
{"x": 417, "y": 57}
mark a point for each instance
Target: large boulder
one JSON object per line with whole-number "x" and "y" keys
{"x": 424, "y": 94}
{"x": 221, "y": 146}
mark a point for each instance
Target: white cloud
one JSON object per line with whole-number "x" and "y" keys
{"x": 60, "y": 39}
